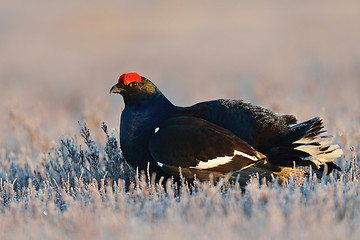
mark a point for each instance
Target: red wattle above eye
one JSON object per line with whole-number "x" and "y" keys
{"x": 128, "y": 78}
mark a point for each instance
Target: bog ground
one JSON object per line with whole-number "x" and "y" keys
{"x": 58, "y": 63}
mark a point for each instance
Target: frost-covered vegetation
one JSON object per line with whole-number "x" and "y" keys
{"x": 85, "y": 191}
{"x": 58, "y": 62}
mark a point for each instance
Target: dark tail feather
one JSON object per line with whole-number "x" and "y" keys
{"x": 299, "y": 131}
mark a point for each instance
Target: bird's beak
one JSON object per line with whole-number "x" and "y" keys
{"x": 116, "y": 89}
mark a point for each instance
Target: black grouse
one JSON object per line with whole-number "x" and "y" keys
{"x": 216, "y": 137}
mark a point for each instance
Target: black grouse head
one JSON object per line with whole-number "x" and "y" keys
{"x": 135, "y": 89}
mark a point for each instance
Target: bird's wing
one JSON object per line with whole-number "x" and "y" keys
{"x": 199, "y": 147}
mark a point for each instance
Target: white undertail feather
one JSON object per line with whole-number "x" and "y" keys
{"x": 320, "y": 148}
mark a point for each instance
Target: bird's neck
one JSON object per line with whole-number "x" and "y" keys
{"x": 144, "y": 114}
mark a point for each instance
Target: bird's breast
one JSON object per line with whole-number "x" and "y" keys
{"x": 136, "y": 128}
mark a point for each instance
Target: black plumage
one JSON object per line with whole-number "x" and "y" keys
{"x": 195, "y": 144}
{"x": 215, "y": 137}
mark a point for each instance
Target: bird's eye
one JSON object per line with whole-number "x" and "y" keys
{"x": 133, "y": 84}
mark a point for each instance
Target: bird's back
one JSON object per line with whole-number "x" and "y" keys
{"x": 255, "y": 125}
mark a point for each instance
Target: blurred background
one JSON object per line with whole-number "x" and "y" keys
{"x": 59, "y": 60}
